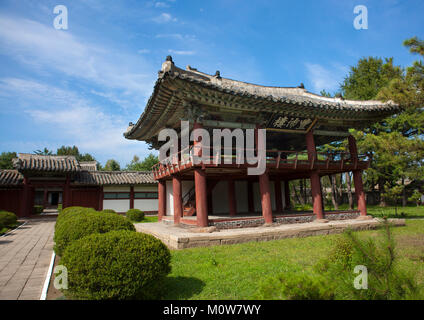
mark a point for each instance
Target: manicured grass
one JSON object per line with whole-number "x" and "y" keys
{"x": 377, "y": 211}
{"x": 235, "y": 271}
{"x": 150, "y": 219}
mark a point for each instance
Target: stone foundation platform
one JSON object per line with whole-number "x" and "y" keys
{"x": 176, "y": 237}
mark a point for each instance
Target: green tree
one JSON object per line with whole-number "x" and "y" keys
{"x": 73, "y": 151}
{"x": 6, "y": 160}
{"x": 145, "y": 165}
{"x": 112, "y": 165}
{"x": 396, "y": 142}
{"x": 367, "y": 78}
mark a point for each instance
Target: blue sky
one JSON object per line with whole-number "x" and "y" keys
{"x": 81, "y": 86}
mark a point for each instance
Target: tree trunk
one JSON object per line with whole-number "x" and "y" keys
{"x": 332, "y": 179}
{"x": 349, "y": 190}
{"x": 295, "y": 193}
{"x": 301, "y": 192}
{"x": 340, "y": 191}
{"x": 381, "y": 191}
{"x": 404, "y": 198}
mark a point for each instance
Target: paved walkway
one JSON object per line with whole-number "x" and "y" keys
{"x": 24, "y": 260}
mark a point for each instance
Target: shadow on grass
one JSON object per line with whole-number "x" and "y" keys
{"x": 180, "y": 288}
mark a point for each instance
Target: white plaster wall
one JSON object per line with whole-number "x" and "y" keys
{"x": 146, "y": 204}
{"x": 116, "y": 189}
{"x": 241, "y": 196}
{"x": 169, "y": 199}
{"x": 153, "y": 188}
{"x": 121, "y": 205}
{"x": 220, "y": 198}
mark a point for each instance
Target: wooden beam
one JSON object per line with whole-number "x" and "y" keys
{"x": 331, "y": 133}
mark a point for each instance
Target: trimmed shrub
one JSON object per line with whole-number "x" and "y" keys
{"x": 8, "y": 219}
{"x": 135, "y": 215}
{"x": 116, "y": 265}
{"x": 108, "y": 211}
{"x": 80, "y": 225}
{"x": 38, "y": 209}
{"x": 296, "y": 286}
{"x": 71, "y": 212}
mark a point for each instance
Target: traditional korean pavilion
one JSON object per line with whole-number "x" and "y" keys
{"x": 296, "y": 121}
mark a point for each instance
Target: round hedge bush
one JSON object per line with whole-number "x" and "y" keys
{"x": 8, "y": 219}
{"x": 80, "y": 225}
{"x": 116, "y": 265}
{"x": 71, "y": 212}
{"x": 135, "y": 215}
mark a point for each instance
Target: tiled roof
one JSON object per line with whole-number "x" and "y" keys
{"x": 88, "y": 165}
{"x": 34, "y": 162}
{"x": 296, "y": 101}
{"x": 114, "y": 177}
{"x": 98, "y": 178}
{"x": 10, "y": 178}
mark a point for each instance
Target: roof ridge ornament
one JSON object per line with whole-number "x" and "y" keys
{"x": 301, "y": 86}
{"x": 167, "y": 65}
{"x": 217, "y": 74}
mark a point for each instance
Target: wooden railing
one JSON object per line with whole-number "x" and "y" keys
{"x": 274, "y": 159}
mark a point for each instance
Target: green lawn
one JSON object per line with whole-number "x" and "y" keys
{"x": 377, "y": 211}
{"x": 150, "y": 219}
{"x": 235, "y": 271}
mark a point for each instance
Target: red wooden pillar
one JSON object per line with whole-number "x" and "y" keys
{"x": 132, "y": 197}
{"x": 201, "y": 197}
{"x": 161, "y": 199}
{"x": 250, "y": 202}
{"x": 352, "y": 147}
{"x": 357, "y": 178}
{"x": 101, "y": 197}
{"x": 315, "y": 179}
{"x": 177, "y": 195}
{"x": 278, "y": 196}
{"x": 66, "y": 201}
{"x": 287, "y": 194}
{"x": 359, "y": 190}
{"x": 232, "y": 205}
{"x": 265, "y": 197}
{"x": 25, "y": 199}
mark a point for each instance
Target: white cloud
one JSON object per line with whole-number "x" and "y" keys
{"x": 325, "y": 78}
{"x": 182, "y": 52}
{"x": 161, "y": 5}
{"x": 72, "y": 119}
{"x": 176, "y": 36}
{"x": 49, "y": 50}
{"x": 164, "y": 18}
{"x": 142, "y": 51}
